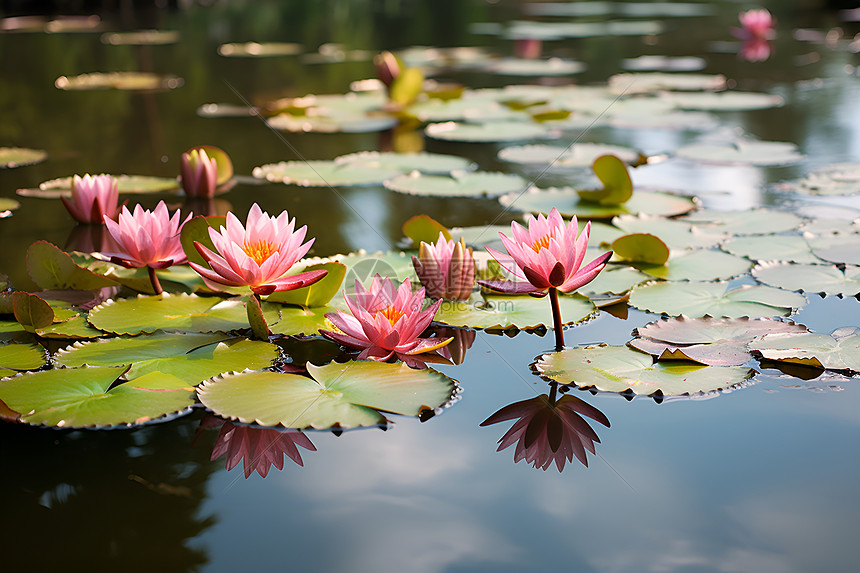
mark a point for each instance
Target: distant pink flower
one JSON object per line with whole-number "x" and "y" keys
{"x": 547, "y": 431}
{"x": 261, "y": 448}
{"x": 446, "y": 269}
{"x": 385, "y": 321}
{"x": 258, "y": 256}
{"x": 756, "y": 24}
{"x": 147, "y": 238}
{"x": 547, "y": 255}
{"x": 93, "y": 198}
{"x": 199, "y": 173}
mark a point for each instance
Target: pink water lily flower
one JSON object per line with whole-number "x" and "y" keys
{"x": 257, "y": 255}
{"x": 548, "y": 255}
{"x": 758, "y": 24}
{"x": 93, "y": 198}
{"x": 548, "y": 430}
{"x": 199, "y": 173}
{"x": 147, "y": 238}
{"x": 446, "y": 269}
{"x": 385, "y": 321}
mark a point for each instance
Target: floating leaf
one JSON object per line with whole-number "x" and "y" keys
{"x": 675, "y": 234}
{"x": 568, "y": 202}
{"x": 487, "y": 132}
{"x": 197, "y": 229}
{"x": 837, "y": 179}
{"x": 699, "y": 265}
{"x": 519, "y": 312}
{"x": 51, "y": 268}
{"x": 74, "y": 329}
{"x": 84, "y": 397}
{"x": 306, "y": 321}
{"x": 839, "y": 249}
{"x": 641, "y": 247}
{"x": 575, "y": 155}
{"x": 336, "y": 395}
{"x": 127, "y": 184}
{"x": 323, "y": 174}
{"x": 182, "y": 313}
{"x": 652, "y": 82}
{"x": 621, "y": 369}
{"x": 751, "y": 222}
{"x": 141, "y": 38}
{"x": 615, "y": 280}
{"x": 20, "y": 156}
{"x": 19, "y": 357}
{"x": 7, "y": 206}
{"x": 532, "y": 67}
{"x": 715, "y": 342}
{"x": 617, "y": 186}
{"x": 31, "y": 311}
{"x": 827, "y": 279}
{"x": 717, "y": 299}
{"x": 260, "y": 49}
{"x": 190, "y": 357}
{"x": 459, "y": 184}
{"x": 129, "y": 81}
{"x": 839, "y": 351}
{"x": 424, "y": 228}
{"x": 663, "y": 64}
{"x": 429, "y": 163}
{"x": 791, "y": 248}
{"x": 317, "y": 294}
{"x": 342, "y": 122}
{"x": 741, "y": 152}
{"x": 723, "y": 101}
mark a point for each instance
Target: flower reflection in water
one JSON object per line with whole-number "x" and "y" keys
{"x": 549, "y": 430}
{"x": 261, "y": 448}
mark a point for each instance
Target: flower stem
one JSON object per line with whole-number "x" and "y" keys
{"x": 556, "y": 319}
{"x": 153, "y": 278}
{"x": 553, "y": 393}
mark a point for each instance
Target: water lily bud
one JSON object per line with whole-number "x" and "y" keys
{"x": 199, "y": 173}
{"x": 93, "y": 198}
{"x": 446, "y": 269}
{"x": 387, "y": 68}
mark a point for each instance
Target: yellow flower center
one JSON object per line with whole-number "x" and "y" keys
{"x": 260, "y": 251}
{"x": 543, "y": 242}
{"x": 391, "y": 313}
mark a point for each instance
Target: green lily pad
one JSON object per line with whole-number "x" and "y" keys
{"x": 698, "y": 265}
{"x": 51, "y": 268}
{"x": 723, "y": 101}
{"x": 76, "y": 328}
{"x": 575, "y": 155}
{"x": 336, "y": 395}
{"x": 323, "y": 174}
{"x": 459, "y": 184}
{"x": 173, "y": 279}
{"x": 714, "y": 342}
{"x": 790, "y": 248}
{"x": 837, "y": 249}
{"x": 615, "y": 280}
{"x": 126, "y": 81}
{"x": 481, "y": 236}
{"x": 568, "y": 202}
{"x": 532, "y": 67}
{"x": 678, "y": 235}
{"x": 260, "y": 49}
{"x": 519, "y": 312}
{"x": 839, "y": 351}
{"x": 653, "y": 82}
{"x": 16, "y": 358}
{"x": 827, "y": 279}
{"x": 428, "y": 163}
{"x": 424, "y": 228}
{"x": 181, "y": 313}
{"x": 190, "y": 357}
{"x": 833, "y": 180}
{"x": 126, "y": 184}
{"x": 717, "y": 299}
{"x": 83, "y": 397}
{"x": 341, "y": 122}
{"x": 317, "y": 294}
{"x": 305, "y": 321}
{"x": 20, "y": 156}
{"x": 141, "y": 38}
{"x": 672, "y": 120}
{"x": 617, "y": 186}
{"x": 621, "y": 369}
{"x": 487, "y": 132}
{"x": 7, "y": 206}
{"x": 657, "y": 63}
{"x": 742, "y": 152}
{"x": 751, "y": 222}
{"x": 642, "y": 248}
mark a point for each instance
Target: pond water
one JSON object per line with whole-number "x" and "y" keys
{"x": 761, "y": 478}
